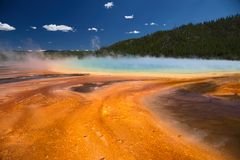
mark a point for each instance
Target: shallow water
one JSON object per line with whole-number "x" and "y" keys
{"x": 151, "y": 65}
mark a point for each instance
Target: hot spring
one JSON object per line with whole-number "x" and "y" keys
{"x": 145, "y": 65}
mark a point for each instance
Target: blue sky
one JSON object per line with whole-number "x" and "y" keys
{"x": 89, "y": 24}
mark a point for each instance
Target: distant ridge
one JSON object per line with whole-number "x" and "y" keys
{"x": 215, "y": 39}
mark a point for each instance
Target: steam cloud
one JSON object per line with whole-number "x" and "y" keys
{"x": 95, "y": 42}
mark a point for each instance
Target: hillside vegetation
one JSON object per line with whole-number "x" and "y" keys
{"x": 215, "y": 39}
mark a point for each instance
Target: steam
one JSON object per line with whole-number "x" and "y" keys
{"x": 30, "y": 45}
{"x": 108, "y": 64}
{"x": 95, "y": 42}
{"x": 32, "y": 58}
{"x": 35, "y": 60}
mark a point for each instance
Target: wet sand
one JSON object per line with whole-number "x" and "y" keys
{"x": 96, "y": 117}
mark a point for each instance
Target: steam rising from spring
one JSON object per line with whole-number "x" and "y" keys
{"x": 38, "y": 60}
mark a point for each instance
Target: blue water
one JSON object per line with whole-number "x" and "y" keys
{"x": 152, "y": 65}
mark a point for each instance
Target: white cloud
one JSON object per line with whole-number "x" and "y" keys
{"x": 133, "y": 32}
{"x": 153, "y": 24}
{"x": 93, "y": 29}
{"x": 164, "y": 24}
{"x": 33, "y": 27}
{"x": 54, "y": 27}
{"x": 6, "y": 27}
{"x": 109, "y": 5}
{"x": 129, "y": 17}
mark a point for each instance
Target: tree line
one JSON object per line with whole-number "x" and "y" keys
{"x": 215, "y": 39}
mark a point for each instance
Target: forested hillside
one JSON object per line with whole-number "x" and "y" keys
{"x": 214, "y": 39}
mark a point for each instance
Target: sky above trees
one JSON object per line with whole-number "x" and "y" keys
{"x": 90, "y": 24}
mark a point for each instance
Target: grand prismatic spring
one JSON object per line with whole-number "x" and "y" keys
{"x": 120, "y": 80}
{"x": 169, "y": 111}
